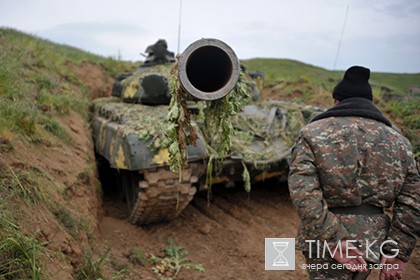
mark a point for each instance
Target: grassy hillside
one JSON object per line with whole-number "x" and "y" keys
{"x": 48, "y": 188}
{"x": 36, "y": 79}
{"x": 276, "y": 70}
{"x": 284, "y": 69}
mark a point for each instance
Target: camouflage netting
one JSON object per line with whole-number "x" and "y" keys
{"x": 151, "y": 123}
{"x": 146, "y": 121}
{"x": 252, "y": 129}
{"x": 271, "y": 121}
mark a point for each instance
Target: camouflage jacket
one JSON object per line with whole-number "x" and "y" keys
{"x": 349, "y": 160}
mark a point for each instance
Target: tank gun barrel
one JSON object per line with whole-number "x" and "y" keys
{"x": 208, "y": 69}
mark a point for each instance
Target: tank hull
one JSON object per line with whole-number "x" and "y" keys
{"x": 128, "y": 135}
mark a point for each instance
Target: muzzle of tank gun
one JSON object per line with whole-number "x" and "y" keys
{"x": 208, "y": 69}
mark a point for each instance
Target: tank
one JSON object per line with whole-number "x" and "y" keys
{"x": 129, "y": 130}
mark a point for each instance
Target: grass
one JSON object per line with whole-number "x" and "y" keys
{"x": 399, "y": 83}
{"x": 87, "y": 228}
{"x": 23, "y": 184}
{"x": 39, "y": 86}
{"x": 138, "y": 256}
{"x": 61, "y": 104}
{"x": 38, "y": 81}
{"x": 168, "y": 267}
{"x": 65, "y": 218}
{"x": 6, "y": 140}
{"x": 18, "y": 117}
{"x": 276, "y": 70}
{"x": 20, "y": 255}
{"x": 92, "y": 269}
{"x": 408, "y": 110}
{"x": 55, "y": 128}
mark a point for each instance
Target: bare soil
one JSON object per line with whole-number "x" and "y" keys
{"x": 225, "y": 234}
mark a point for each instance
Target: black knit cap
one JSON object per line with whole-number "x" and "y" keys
{"x": 354, "y": 84}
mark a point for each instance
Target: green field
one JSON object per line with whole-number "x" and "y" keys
{"x": 284, "y": 69}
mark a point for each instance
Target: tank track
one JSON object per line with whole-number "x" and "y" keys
{"x": 161, "y": 197}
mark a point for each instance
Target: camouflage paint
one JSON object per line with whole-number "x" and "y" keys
{"x": 132, "y": 136}
{"x": 162, "y": 157}
{"x": 345, "y": 161}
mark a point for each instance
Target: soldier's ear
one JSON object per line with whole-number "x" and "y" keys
{"x": 336, "y": 101}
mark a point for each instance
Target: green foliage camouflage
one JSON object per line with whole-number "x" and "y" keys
{"x": 148, "y": 122}
{"x": 217, "y": 122}
{"x": 180, "y": 131}
{"x": 248, "y": 127}
{"x": 218, "y": 126}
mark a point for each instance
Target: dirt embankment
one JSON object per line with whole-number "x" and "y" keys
{"x": 72, "y": 201}
{"x": 65, "y": 173}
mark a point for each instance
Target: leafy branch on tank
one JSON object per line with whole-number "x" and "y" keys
{"x": 219, "y": 130}
{"x": 218, "y": 126}
{"x": 180, "y": 131}
{"x": 217, "y": 122}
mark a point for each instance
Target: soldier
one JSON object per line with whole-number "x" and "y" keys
{"x": 158, "y": 54}
{"x": 348, "y": 164}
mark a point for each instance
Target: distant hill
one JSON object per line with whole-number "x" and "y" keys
{"x": 284, "y": 69}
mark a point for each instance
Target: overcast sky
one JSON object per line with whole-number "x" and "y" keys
{"x": 383, "y": 35}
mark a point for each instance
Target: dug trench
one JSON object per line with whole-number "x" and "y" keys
{"x": 224, "y": 234}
